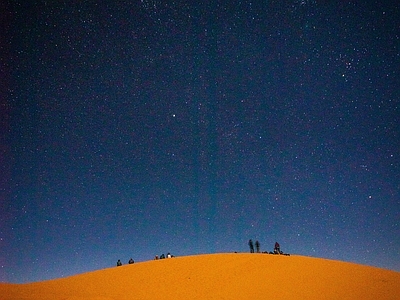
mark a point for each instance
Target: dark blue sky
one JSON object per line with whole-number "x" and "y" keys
{"x": 136, "y": 128}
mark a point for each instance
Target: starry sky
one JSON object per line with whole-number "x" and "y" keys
{"x": 136, "y": 128}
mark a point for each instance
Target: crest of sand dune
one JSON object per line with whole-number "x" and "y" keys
{"x": 219, "y": 276}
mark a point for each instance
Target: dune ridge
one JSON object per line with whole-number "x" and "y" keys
{"x": 219, "y": 276}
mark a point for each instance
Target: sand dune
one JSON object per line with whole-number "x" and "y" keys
{"x": 219, "y": 276}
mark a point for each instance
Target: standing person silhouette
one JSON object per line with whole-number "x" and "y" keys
{"x": 258, "y": 246}
{"x": 251, "y": 246}
{"x": 277, "y": 248}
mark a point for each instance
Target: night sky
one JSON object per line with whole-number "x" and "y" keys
{"x": 136, "y": 128}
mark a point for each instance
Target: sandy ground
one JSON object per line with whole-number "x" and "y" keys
{"x": 219, "y": 276}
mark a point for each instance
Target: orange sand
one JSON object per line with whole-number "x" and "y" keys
{"x": 219, "y": 276}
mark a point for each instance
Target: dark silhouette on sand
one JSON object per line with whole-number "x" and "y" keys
{"x": 257, "y": 246}
{"x": 251, "y": 245}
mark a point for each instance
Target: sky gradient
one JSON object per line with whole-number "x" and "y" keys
{"x": 136, "y": 128}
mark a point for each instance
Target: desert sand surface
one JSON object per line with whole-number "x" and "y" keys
{"x": 219, "y": 276}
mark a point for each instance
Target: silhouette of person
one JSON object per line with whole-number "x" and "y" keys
{"x": 251, "y": 246}
{"x": 119, "y": 263}
{"x": 156, "y": 257}
{"x": 258, "y": 246}
{"x": 131, "y": 261}
{"x": 168, "y": 255}
{"x": 162, "y": 256}
{"x": 277, "y": 248}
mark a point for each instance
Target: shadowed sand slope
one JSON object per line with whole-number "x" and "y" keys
{"x": 219, "y": 276}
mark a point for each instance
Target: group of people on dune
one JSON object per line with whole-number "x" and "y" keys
{"x": 119, "y": 263}
{"x": 162, "y": 256}
{"x": 277, "y": 248}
